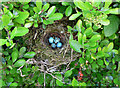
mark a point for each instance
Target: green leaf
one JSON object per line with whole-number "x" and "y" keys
{"x": 74, "y": 16}
{"x": 28, "y": 25}
{"x": 5, "y": 20}
{"x": 82, "y": 84}
{"x": 19, "y": 63}
{"x": 114, "y": 11}
{"x": 112, "y": 27}
{"x": 100, "y": 54}
{"x": 75, "y": 45}
{"x": 51, "y": 11}
{"x": 41, "y": 79}
{"x": 46, "y": 22}
{"x": 3, "y": 41}
{"x": 45, "y": 7}
{"x": 36, "y": 9}
{"x": 68, "y": 11}
{"x": 105, "y": 22}
{"x": 22, "y": 16}
{"x": 81, "y": 5}
{"x": 13, "y": 84}
{"x": 79, "y": 25}
{"x": 107, "y": 3}
{"x": 10, "y": 79}
{"x": 56, "y": 16}
{"x": 14, "y": 55}
{"x": 81, "y": 60}
{"x": 110, "y": 47}
{"x": 65, "y": 3}
{"x": 80, "y": 38}
{"x": 88, "y": 31}
{"x": 116, "y": 81}
{"x": 29, "y": 55}
{"x": 100, "y": 62}
{"x": 22, "y": 51}
{"x": 94, "y": 65}
{"x": 59, "y": 83}
{"x": 20, "y": 31}
{"x": 39, "y": 4}
{"x": 68, "y": 73}
{"x": 95, "y": 38}
{"x": 74, "y": 82}
{"x": 106, "y": 63}
{"x": 26, "y": 6}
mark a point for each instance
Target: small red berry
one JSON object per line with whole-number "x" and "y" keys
{"x": 75, "y": 64}
{"x": 81, "y": 74}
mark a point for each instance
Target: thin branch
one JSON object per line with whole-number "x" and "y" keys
{"x": 21, "y": 71}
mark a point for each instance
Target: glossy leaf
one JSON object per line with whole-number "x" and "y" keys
{"x": 13, "y": 84}
{"x": 100, "y": 62}
{"x": 21, "y": 18}
{"x": 20, "y": 31}
{"x": 105, "y": 22}
{"x": 80, "y": 37}
{"x": 68, "y": 11}
{"x": 28, "y": 25}
{"x": 68, "y": 73}
{"x": 59, "y": 83}
{"x": 74, "y": 16}
{"x": 100, "y": 54}
{"x": 3, "y": 41}
{"x": 39, "y": 4}
{"x": 5, "y": 20}
{"x": 107, "y": 3}
{"x": 110, "y": 47}
{"x": 51, "y": 11}
{"x": 29, "y": 54}
{"x": 74, "y": 82}
{"x": 79, "y": 25}
{"x": 115, "y": 11}
{"x": 22, "y": 51}
{"x": 81, "y": 5}
{"x": 95, "y": 38}
{"x": 19, "y": 63}
{"x": 56, "y": 16}
{"x": 112, "y": 27}
{"x": 75, "y": 45}
{"x": 88, "y": 31}
{"x": 45, "y": 7}
{"x": 14, "y": 55}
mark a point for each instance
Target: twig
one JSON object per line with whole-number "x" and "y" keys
{"x": 66, "y": 50}
{"x": 31, "y": 61}
{"x": 35, "y": 35}
{"x": 21, "y": 71}
{"x": 44, "y": 79}
{"x": 71, "y": 58}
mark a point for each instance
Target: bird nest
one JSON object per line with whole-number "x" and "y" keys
{"x": 37, "y": 40}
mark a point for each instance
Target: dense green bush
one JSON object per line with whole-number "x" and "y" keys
{"x": 95, "y": 36}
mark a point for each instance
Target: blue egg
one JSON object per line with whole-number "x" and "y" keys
{"x": 53, "y": 45}
{"x": 59, "y": 44}
{"x": 51, "y": 39}
{"x": 56, "y": 40}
